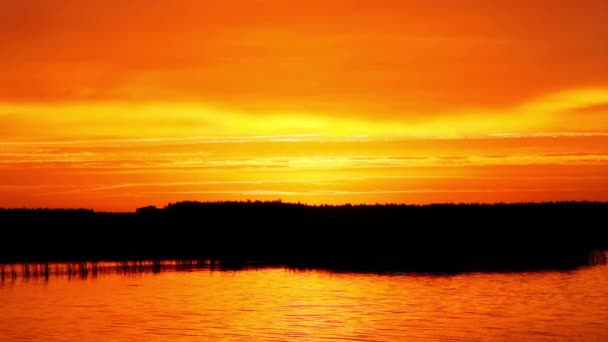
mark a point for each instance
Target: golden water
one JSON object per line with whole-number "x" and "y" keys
{"x": 282, "y": 305}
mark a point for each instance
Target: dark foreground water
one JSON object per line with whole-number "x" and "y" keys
{"x": 275, "y": 304}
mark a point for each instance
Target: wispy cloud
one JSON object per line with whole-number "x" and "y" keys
{"x": 162, "y": 122}
{"x": 350, "y": 193}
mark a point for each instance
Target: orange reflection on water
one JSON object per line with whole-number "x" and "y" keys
{"x": 279, "y": 305}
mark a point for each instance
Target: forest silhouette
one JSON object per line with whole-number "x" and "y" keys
{"x": 375, "y": 238}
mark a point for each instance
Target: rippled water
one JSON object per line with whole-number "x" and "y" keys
{"x": 282, "y": 305}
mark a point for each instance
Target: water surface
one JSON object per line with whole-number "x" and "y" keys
{"x": 277, "y": 304}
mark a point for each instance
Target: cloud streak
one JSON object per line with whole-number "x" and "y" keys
{"x": 551, "y": 115}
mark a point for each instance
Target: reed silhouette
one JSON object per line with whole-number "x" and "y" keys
{"x": 376, "y": 238}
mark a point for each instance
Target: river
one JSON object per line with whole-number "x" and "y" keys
{"x": 277, "y": 304}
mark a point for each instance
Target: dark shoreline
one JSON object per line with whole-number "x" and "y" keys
{"x": 367, "y": 238}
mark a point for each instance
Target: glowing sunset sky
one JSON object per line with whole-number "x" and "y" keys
{"x": 117, "y": 104}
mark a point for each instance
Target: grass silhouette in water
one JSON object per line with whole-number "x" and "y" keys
{"x": 430, "y": 238}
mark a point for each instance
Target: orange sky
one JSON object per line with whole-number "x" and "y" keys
{"x": 118, "y": 104}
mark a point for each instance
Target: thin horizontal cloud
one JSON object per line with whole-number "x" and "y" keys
{"x": 172, "y": 140}
{"x": 536, "y": 118}
{"x": 194, "y": 187}
{"x": 300, "y": 163}
{"x": 347, "y": 193}
{"x": 548, "y": 135}
{"x": 13, "y": 145}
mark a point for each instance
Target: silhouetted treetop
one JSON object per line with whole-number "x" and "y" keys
{"x": 395, "y": 236}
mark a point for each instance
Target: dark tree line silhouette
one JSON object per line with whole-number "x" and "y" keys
{"x": 430, "y": 238}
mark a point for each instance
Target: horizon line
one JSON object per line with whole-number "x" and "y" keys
{"x": 303, "y": 204}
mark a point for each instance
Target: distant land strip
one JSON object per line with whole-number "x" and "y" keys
{"x": 374, "y": 238}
